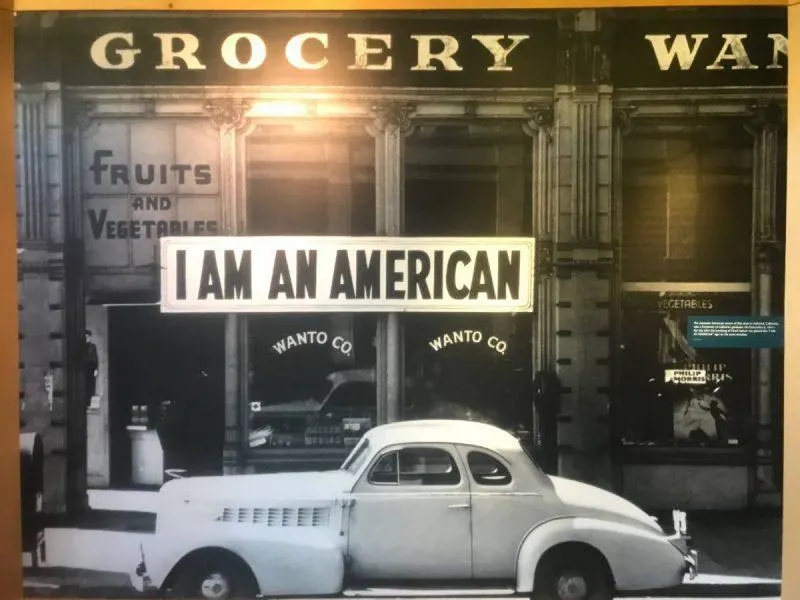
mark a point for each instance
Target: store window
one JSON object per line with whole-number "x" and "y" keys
{"x": 672, "y": 394}
{"x": 687, "y": 190}
{"x": 310, "y": 377}
{"x": 468, "y": 180}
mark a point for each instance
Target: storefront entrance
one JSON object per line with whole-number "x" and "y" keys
{"x": 166, "y": 379}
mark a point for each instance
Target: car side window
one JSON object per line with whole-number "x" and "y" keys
{"x": 416, "y": 466}
{"x": 487, "y": 470}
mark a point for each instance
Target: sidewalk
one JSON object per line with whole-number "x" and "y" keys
{"x": 739, "y": 554}
{"x": 743, "y": 544}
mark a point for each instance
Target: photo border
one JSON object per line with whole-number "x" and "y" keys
{"x": 10, "y": 516}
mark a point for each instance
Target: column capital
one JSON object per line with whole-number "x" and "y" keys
{"x": 78, "y": 114}
{"x": 228, "y": 114}
{"x": 541, "y": 118}
{"x": 392, "y": 117}
{"x": 765, "y": 117}
{"x": 623, "y": 118}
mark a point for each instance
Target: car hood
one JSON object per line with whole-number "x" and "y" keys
{"x": 582, "y": 499}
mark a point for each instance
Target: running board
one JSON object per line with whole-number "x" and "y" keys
{"x": 427, "y": 592}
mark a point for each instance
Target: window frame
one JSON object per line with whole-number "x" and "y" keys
{"x": 450, "y": 451}
{"x": 482, "y": 451}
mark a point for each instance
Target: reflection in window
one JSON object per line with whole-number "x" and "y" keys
{"x": 686, "y": 202}
{"x": 474, "y": 367}
{"x": 487, "y": 470}
{"x": 470, "y": 179}
{"x": 304, "y": 391}
{"x": 311, "y": 378}
{"x": 310, "y": 179}
{"x": 416, "y": 466}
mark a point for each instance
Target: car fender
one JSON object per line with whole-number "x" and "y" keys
{"x": 284, "y": 561}
{"x": 639, "y": 558}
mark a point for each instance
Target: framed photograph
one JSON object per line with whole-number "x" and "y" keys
{"x": 400, "y": 301}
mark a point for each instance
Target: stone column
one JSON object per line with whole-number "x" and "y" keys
{"x": 47, "y": 408}
{"x": 622, "y": 126}
{"x": 583, "y": 252}
{"x": 766, "y": 125}
{"x": 78, "y": 117}
{"x": 229, "y": 117}
{"x": 540, "y": 128}
{"x": 390, "y": 126}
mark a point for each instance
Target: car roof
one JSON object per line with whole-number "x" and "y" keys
{"x": 444, "y": 431}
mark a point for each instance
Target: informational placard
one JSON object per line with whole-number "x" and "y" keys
{"x": 735, "y": 332}
{"x": 346, "y": 274}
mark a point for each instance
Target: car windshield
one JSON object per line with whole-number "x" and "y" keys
{"x": 356, "y": 458}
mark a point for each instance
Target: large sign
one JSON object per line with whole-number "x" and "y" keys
{"x": 143, "y": 180}
{"x": 511, "y": 51}
{"x": 279, "y": 50}
{"x": 700, "y": 52}
{"x": 341, "y": 274}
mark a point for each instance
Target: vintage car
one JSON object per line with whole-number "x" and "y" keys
{"x": 416, "y": 505}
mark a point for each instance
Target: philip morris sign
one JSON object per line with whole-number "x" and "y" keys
{"x": 337, "y": 274}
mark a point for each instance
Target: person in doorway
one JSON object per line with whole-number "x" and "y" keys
{"x": 546, "y": 400}
{"x": 90, "y": 367}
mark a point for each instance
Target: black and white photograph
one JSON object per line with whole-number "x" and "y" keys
{"x": 394, "y": 304}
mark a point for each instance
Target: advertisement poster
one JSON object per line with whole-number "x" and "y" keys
{"x": 301, "y": 292}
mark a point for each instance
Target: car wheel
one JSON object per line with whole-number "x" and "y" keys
{"x": 572, "y": 574}
{"x": 213, "y": 578}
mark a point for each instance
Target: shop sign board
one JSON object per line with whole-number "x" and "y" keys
{"x": 400, "y": 51}
{"x": 701, "y": 52}
{"x": 346, "y": 274}
{"x": 144, "y": 179}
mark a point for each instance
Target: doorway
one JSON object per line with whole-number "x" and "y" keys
{"x": 166, "y": 373}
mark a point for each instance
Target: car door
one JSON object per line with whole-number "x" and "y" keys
{"x": 410, "y": 517}
{"x": 503, "y": 511}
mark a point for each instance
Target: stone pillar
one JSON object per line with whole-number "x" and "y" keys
{"x": 390, "y": 126}
{"x": 583, "y": 252}
{"x": 229, "y": 117}
{"x": 540, "y": 128}
{"x": 766, "y": 125}
{"x": 77, "y": 118}
{"x": 622, "y": 126}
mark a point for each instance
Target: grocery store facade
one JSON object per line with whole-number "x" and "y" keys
{"x": 644, "y": 155}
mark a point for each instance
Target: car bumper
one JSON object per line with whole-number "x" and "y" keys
{"x": 141, "y": 580}
{"x": 690, "y": 564}
{"x": 683, "y": 543}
